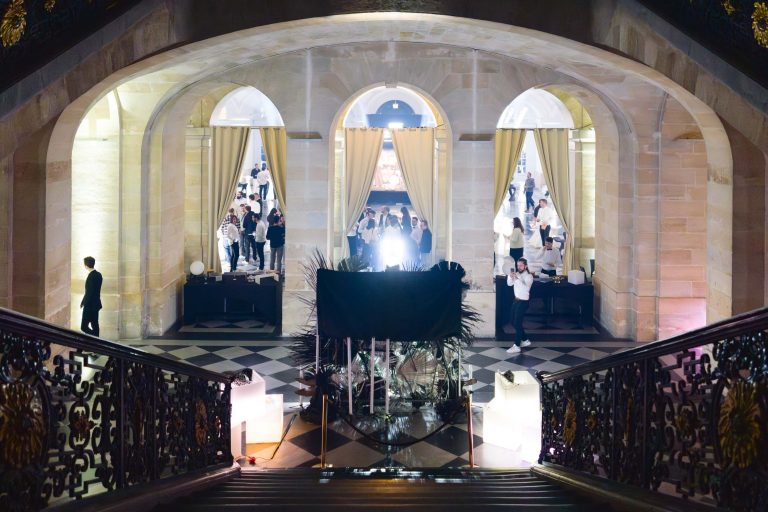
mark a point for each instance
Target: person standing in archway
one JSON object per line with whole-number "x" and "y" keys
{"x": 530, "y": 185}
{"x": 91, "y": 303}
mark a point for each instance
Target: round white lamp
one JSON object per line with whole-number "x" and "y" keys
{"x": 196, "y": 268}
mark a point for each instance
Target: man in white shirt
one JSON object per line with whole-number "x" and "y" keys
{"x": 238, "y": 200}
{"x": 551, "y": 259}
{"x": 262, "y": 178}
{"x": 254, "y": 201}
{"x": 521, "y": 282}
{"x": 545, "y": 218}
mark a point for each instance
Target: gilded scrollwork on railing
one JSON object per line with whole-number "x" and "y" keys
{"x": 13, "y": 23}
{"x": 83, "y": 423}
{"x": 691, "y": 422}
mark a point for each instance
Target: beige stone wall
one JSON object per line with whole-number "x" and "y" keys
{"x": 96, "y": 211}
{"x": 6, "y": 210}
{"x": 750, "y": 278}
{"x": 683, "y": 224}
{"x": 310, "y": 86}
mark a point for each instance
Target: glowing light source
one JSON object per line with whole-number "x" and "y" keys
{"x": 395, "y": 125}
{"x": 196, "y": 268}
{"x": 513, "y": 418}
{"x": 392, "y": 250}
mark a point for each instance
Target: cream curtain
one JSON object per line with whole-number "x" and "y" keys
{"x": 228, "y": 151}
{"x": 552, "y": 145}
{"x": 362, "y": 148}
{"x": 415, "y": 150}
{"x": 509, "y": 145}
{"x": 274, "y": 141}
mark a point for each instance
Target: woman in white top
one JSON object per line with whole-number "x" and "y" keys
{"x": 521, "y": 282}
{"x": 516, "y": 240}
{"x": 231, "y": 244}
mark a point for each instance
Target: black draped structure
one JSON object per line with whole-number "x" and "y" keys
{"x": 400, "y": 306}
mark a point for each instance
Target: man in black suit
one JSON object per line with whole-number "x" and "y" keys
{"x": 91, "y": 303}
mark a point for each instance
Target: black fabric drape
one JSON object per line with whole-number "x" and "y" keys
{"x": 401, "y": 306}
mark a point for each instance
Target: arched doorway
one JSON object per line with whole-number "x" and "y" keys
{"x": 261, "y": 174}
{"x": 421, "y": 190}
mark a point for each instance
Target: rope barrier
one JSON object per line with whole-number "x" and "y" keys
{"x": 394, "y": 443}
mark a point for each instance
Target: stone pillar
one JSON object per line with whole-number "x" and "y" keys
{"x": 138, "y": 100}
{"x": 749, "y": 223}
{"x": 6, "y": 209}
{"x": 28, "y": 196}
{"x": 683, "y": 224}
{"x": 306, "y": 215}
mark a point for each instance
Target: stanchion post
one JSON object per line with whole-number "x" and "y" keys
{"x": 373, "y": 381}
{"x": 324, "y": 434}
{"x": 349, "y": 374}
{"x": 386, "y": 378}
{"x": 470, "y": 433}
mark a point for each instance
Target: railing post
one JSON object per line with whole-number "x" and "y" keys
{"x": 614, "y": 405}
{"x": 324, "y": 427}
{"x": 119, "y": 384}
{"x": 646, "y": 423}
{"x": 470, "y": 432}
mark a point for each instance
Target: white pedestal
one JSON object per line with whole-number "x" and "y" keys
{"x": 259, "y": 414}
{"x": 265, "y": 424}
{"x": 513, "y": 418}
{"x": 237, "y": 441}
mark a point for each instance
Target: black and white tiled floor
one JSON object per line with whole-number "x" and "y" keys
{"x": 274, "y": 362}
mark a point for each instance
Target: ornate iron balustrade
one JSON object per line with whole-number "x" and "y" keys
{"x": 686, "y": 417}
{"x": 98, "y": 417}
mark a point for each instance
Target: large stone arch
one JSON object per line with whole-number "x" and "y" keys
{"x": 170, "y": 73}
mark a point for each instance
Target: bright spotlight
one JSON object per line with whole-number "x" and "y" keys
{"x": 392, "y": 251}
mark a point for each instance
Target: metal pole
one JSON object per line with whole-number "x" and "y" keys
{"x": 470, "y": 434}
{"x": 386, "y": 379}
{"x": 324, "y": 438}
{"x": 301, "y": 385}
{"x": 373, "y": 382}
{"x": 458, "y": 376}
{"x": 349, "y": 374}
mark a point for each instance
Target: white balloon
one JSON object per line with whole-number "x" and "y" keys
{"x": 197, "y": 268}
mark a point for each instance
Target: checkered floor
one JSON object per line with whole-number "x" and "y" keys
{"x": 274, "y": 362}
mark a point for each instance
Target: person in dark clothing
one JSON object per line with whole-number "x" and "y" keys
{"x": 249, "y": 227}
{"x": 425, "y": 245}
{"x": 276, "y": 237}
{"x": 91, "y": 303}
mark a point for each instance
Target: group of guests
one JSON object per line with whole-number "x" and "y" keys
{"x": 259, "y": 179}
{"x": 389, "y": 240}
{"x": 244, "y": 233}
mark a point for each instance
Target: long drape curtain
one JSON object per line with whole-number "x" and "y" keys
{"x": 552, "y": 145}
{"x": 509, "y": 145}
{"x": 275, "y": 148}
{"x": 415, "y": 150}
{"x": 228, "y": 144}
{"x": 362, "y": 148}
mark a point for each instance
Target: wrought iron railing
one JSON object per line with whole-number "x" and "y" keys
{"x": 686, "y": 417}
{"x": 81, "y": 416}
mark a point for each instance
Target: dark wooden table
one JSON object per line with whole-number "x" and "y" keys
{"x": 222, "y": 299}
{"x": 549, "y": 300}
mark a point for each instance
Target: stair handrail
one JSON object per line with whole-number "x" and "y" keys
{"x": 681, "y": 417}
{"x": 84, "y": 417}
{"x": 723, "y": 329}
{"x": 42, "y": 330}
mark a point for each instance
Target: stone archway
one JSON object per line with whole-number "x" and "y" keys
{"x": 443, "y": 139}
{"x": 146, "y": 85}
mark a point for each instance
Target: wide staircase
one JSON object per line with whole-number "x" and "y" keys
{"x": 348, "y": 489}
